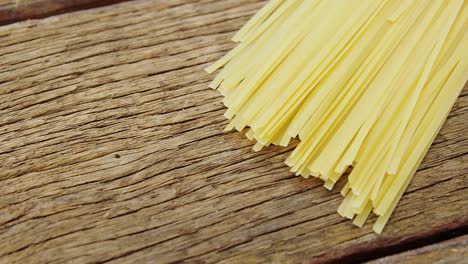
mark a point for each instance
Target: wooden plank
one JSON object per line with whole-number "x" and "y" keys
{"x": 18, "y": 10}
{"x": 450, "y": 251}
{"x": 112, "y": 150}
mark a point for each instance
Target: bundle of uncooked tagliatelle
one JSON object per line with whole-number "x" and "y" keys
{"x": 361, "y": 83}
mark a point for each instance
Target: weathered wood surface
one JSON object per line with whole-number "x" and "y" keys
{"x": 112, "y": 150}
{"x": 450, "y": 251}
{"x": 18, "y": 10}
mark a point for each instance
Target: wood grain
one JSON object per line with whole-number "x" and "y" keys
{"x": 18, "y": 10}
{"x": 451, "y": 251}
{"x": 113, "y": 151}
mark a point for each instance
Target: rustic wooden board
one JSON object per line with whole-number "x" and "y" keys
{"x": 112, "y": 150}
{"x": 18, "y": 10}
{"x": 450, "y": 251}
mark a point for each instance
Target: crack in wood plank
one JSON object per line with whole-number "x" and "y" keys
{"x": 18, "y": 10}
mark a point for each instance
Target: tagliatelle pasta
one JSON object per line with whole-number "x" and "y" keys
{"x": 365, "y": 84}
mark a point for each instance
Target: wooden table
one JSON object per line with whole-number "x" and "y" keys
{"x": 112, "y": 150}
